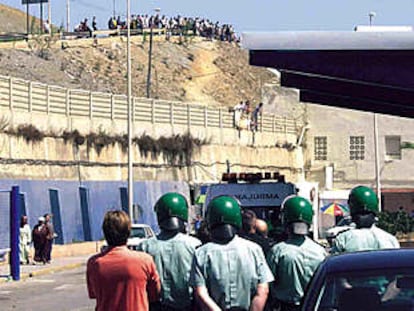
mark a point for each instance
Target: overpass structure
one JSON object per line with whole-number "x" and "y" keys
{"x": 369, "y": 71}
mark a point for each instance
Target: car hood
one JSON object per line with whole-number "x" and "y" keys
{"x": 134, "y": 241}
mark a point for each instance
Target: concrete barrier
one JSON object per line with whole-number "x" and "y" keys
{"x": 59, "y": 251}
{"x": 76, "y": 249}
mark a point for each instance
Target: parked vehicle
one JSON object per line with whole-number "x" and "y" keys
{"x": 261, "y": 192}
{"x": 139, "y": 232}
{"x": 361, "y": 281}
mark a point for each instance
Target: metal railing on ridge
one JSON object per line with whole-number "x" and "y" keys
{"x": 21, "y": 95}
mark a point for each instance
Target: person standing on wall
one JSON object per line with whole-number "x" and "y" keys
{"x": 50, "y": 237}
{"x": 237, "y": 113}
{"x": 255, "y": 117}
{"x": 25, "y": 240}
{"x": 229, "y": 273}
{"x": 119, "y": 278}
{"x": 363, "y": 203}
{"x": 173, "y": 253}
{"x": 294, "y": 261}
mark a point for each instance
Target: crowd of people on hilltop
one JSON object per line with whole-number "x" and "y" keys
{"x": 84, "y": 27}
{"x": 179, "y": 25}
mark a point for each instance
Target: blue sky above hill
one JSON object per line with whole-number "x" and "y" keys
{"x": 245, "y": 15}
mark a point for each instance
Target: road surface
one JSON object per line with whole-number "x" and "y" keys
{"x": 65, "y": 291}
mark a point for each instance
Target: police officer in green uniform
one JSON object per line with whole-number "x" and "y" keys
{"x": 363, "y": 203}
{"x": 229, "y": 273}
{"x": 294, "y": 261}
{"x": 173, "y": 252}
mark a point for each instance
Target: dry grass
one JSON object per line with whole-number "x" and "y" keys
{"x": 213, "y": 73}
{"x": 13, "y": 20}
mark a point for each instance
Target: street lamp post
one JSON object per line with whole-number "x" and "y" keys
{"x": 371, "y": 17}
{"x": 49, "y": 15}
{"x": 377, "y": 163}
{"x": 130, "y": 159}
{"x": 67, "y": 15}
{"x": 27, "y": 20}
{"x": 149, "y": 65}
{"x": 157, "y": 10}
{"x": 41, "y": 17}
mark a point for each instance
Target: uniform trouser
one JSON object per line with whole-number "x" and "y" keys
{"x": 289, "y": 307}
{"x": 160, "y": 307}
{"x": 283, "y": 306}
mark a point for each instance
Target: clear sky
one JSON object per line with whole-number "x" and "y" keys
{"x": 245, "y": 15}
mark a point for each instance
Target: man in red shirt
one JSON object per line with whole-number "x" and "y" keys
{"x": 118, "y": 278}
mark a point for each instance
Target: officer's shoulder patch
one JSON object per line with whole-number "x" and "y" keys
{"x": 342, "y": 232}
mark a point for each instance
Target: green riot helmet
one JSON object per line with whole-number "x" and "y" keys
{"x": 363, "y": 200}
{"x": 224, "y": 210}
{"x": 297, "y": 209}
{"x": 172, "y": 211}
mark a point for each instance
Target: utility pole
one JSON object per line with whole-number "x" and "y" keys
{"x": 377, "y": 162}
{"x": 41, "y": 17}
{"x": 27, "y": 20}
{"x": 130, "y": 154}
{"x": 67, "y": 15}
{"x": 157, "y": 10}
{"x": 49, "y": 15}
{"x": 149, "y": 63}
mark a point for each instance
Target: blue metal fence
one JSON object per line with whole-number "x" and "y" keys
{"x": 10, "y": 213}
{"x": 78, "y": 211}
{"x": 4, "y": 219}
{"x": 84, "y": 203}
{"x": 57, "y": 217}
{"x": 15, "y": 214}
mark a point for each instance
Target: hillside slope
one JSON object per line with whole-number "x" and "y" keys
{"x": 210, "y": 72}
{"x": 13, "y": 20}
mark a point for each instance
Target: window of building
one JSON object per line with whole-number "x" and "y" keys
{"x": 393, "y": 147}
{"x": 356, "y": 147}
{"x": 321, "y": 148}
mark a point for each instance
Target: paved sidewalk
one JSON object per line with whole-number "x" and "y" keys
{"x": 64, "y": 257}
{"x": 58, "y": 264}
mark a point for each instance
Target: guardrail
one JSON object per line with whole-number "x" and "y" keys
{"x": 11, "y": 37}
{"x": 112, "y": 32}
{"x": 67, "y": 35}
{"x": 21, "y": 95}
